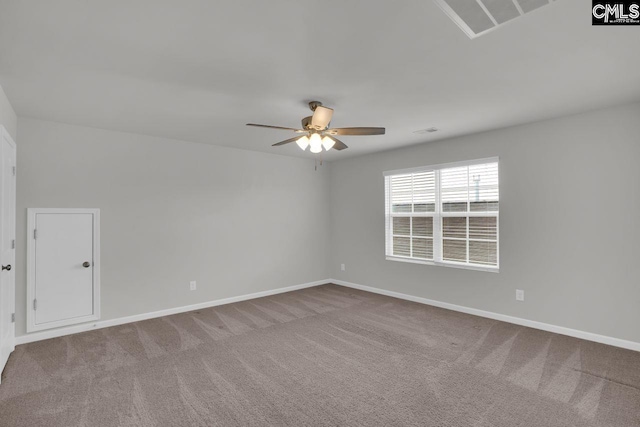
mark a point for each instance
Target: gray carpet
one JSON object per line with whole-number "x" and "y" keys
{"x": 325, "y": 356}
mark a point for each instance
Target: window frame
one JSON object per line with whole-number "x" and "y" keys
{"x": 438, "y": 215}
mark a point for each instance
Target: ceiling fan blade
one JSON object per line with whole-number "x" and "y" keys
{"x": 321, "y": 117}
{"x": 339, "y": 145}
{"x": 356, "y": 131}
{"x": 287, "y": 141}
{"x": 275, "y": 127}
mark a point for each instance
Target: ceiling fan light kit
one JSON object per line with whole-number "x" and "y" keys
{"x": 303, "y": 142}
{"x": 317, "y": 134}
{"x": 315, "y": 143}
{"x": 328, "y": 143}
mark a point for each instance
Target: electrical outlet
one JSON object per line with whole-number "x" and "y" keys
{"x": 192, "y": 285}
{"x": 519, "y": 295}
{"x": 342, "y": 267}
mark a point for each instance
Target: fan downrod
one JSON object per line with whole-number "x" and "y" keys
{"x": 314, "y": 104}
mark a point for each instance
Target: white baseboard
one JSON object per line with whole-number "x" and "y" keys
{"x": 616, "y": 342}
{"x": 53, "y": 333}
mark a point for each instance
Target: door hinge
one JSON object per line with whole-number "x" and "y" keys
{"x": 35, "y": 304}
{"x": 35, "y": 233}
{"x": 14, "y": 171}
{"x": 13, "y": 244}
{"x": 13, "y": 318}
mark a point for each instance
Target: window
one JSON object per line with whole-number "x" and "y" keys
{"x": 444, "y": 215}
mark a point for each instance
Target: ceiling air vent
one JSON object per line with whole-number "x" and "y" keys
{"x": 476, "y": 17}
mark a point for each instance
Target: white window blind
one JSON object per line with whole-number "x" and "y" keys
{"x": 444, "y": 214}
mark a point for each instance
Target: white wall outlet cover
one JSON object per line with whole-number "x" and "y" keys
{"x": 342, "y": 267}
{"x": 192, "y": 285}
{"x": 519, "y": 295}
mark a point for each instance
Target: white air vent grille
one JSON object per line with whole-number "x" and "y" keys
{"x": 476, "y": 17}
{"x": 502, "y": 10}
{"x": 529, "y": 5}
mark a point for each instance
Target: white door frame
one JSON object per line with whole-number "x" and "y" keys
{"x": 4, "y": 135}
{"x": 31, "y": 268}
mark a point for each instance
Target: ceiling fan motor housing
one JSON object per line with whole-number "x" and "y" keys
{"x": 306, "y": 123}
{"x": 317, "y": 127}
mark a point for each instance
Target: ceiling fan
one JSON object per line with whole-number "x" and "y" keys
{"x": 316, "y": 133}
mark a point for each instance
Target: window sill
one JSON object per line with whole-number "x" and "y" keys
{"x": 446, "y": 264}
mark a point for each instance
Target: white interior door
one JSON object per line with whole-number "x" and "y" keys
{"x": 7, "y": 246}
{"x": 63, "y": 267}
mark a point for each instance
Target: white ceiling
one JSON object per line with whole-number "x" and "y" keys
{"x": 199, "y": 70}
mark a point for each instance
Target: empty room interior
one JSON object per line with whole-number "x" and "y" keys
{"x": 320, "y": 213}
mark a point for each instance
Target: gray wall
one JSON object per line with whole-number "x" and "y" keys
{"x": 569, "y": 223}
{"x": 241, "y": 222}
{"x": 7, "y": 116}
{"x": 235, "y": 221}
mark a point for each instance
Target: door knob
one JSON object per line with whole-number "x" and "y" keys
{"x": 7, "y": 267}
{"x": 85, "y": 264}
